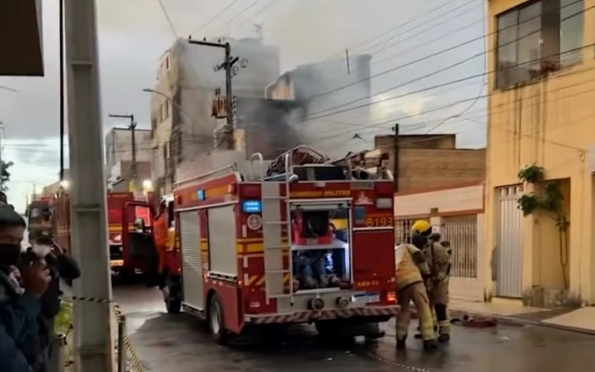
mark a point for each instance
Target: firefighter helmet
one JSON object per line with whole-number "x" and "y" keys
{"x": 421, "y": 227}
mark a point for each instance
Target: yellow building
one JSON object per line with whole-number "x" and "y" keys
{"x": 541, "y": 73}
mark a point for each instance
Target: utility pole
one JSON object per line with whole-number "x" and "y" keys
{"x": 228, "y": 66}
{"x": 62, "y": 124}
{"x": 131, "y": 128}
{"x": 92, "y": 326}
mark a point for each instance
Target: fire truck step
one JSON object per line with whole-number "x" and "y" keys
{"x": 277, "y": 247}
{"x": 275, "y": 198}
{"x": 278, "y": 271}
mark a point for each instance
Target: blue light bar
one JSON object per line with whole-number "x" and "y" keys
{"x": 251, "y": 206}
{"x": 201, "y": 194}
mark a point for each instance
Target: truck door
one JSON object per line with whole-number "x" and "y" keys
{"x": 138, "y": 242}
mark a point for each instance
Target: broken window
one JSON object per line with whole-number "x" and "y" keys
{"x": 536, "y": 38}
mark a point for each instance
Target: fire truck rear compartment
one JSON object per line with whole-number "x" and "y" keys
{"x": 320, "y": 256}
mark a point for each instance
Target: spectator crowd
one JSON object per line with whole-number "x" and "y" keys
{"x": 30, "y": 294}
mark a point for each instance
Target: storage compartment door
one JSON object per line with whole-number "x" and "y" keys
{"x": 222, "y": 241}
{"x": 191, "y": 259}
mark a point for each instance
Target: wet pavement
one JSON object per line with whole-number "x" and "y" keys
{"x": 180, "y": 343}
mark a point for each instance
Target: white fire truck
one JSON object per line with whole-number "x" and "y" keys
{"x": 259, "y": 248}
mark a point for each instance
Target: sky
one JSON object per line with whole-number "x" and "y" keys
{"x": 409, "y": 42}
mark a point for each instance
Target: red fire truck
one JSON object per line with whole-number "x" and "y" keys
{"x": 260, "y": 250}
{"x": 130, "y": 224}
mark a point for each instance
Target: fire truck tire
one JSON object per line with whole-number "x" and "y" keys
{"x": 215, "y": 319}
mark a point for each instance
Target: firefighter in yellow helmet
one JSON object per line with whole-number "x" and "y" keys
{"x": 412, "y": 269}
{"x": 438, "y": 261}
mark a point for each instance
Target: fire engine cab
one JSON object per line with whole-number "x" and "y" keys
{"x": 259, "y": 248}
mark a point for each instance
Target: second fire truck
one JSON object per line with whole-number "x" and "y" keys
{"x": 130, "y": 232}
{"x": 260, "y": 249}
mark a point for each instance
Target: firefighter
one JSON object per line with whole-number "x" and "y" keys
{"x": 161, "y": 238}
{"x": 412, "y": 269}
{"x": 438, "y": 261}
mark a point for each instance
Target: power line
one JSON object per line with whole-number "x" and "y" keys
{"x": 435, "y": 54}
{"x": 239, "y": 14}
{"x": 262, "y": 10}
{"x": 208, "y": 22}
{"x": 169, "y": 21}
{"x": 393, "y": 29}
{"x": 461, "y": 101}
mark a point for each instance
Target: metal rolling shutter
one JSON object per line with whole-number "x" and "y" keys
{"x": 191, "y": 260}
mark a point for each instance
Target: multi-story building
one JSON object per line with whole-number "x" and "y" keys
{"x": 182, "y": 118}
{"x": 318, "y": 93}
{"x": 120, "y": 168}
{"x": 539, "y": 187}
{"x": 118, "y": 146}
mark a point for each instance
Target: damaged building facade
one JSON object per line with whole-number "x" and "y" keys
{"x": 314, "y": 95}
{"x": 182, "y": 120}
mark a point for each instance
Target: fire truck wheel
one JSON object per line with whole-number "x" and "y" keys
{"x": 215, "y": 319}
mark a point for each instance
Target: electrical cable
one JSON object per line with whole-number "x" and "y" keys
{"x": 435, "y": 54}
{"x": 239, "y": 14}
{"x": 261, "y": 11}
{"x": 167, "y": 17}
{"x": 208, "y": 22}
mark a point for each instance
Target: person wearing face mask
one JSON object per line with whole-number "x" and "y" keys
{"x": 20, "y": 293}
{"x": 61, "y": 266}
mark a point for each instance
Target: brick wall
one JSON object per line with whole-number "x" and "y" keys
{"x": 427, "y": 168}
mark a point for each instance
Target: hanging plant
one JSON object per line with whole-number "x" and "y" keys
{"x": 532, "y": 174}
{"x": 529, "y": 203}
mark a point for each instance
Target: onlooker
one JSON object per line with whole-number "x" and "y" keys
{"x": 20, "y": 292}
{"x": 61, "y": 266}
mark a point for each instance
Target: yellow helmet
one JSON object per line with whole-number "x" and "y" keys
{"x": 421, "y": 227}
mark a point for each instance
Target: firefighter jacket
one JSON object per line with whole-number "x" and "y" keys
{"x": 438, "y": 261}
{"x": 411, "y": 266}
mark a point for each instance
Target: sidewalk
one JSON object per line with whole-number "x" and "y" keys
{"x": 576, "y": 320}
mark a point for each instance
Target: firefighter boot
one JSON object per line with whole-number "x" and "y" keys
{"x": 430, "y": 345}
{"x": 401, "y": 344}
{"x": 444, "y": 338}
{"x": 418, "y": 335}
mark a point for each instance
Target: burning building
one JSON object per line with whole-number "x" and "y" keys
{"x": 315, "y": 93}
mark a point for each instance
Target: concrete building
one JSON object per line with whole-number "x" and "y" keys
{"x": 118, "y": 146}
{"x": 316, "y": 90}
{"x": 21, "y": 40}
{"x": 540, "y": 188}
{"x": 182, "y": 107}
{"x": 430, "y": 161}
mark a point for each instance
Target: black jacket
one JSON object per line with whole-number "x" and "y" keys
{"x": 18, "y": 327}
{"x": 61, "y": 267}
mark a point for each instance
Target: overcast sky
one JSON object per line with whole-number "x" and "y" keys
{"x": 134, "y": 33}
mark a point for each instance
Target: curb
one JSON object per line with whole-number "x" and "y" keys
{"x": 512, "y": 320}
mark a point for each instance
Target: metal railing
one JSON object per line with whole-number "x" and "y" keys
{"x": 403, "y": 230}
{"x": 461, "y": 232}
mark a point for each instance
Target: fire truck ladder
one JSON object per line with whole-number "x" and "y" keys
{"x": 276, "y": 230}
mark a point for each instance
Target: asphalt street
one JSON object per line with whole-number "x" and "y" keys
{"x": 180, "y": 343}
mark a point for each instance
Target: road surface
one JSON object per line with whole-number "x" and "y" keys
{"x": 180, "y": 343}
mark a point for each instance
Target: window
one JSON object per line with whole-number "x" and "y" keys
{"x": 571, "y": 31}
{"x": 538, "y": 37}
